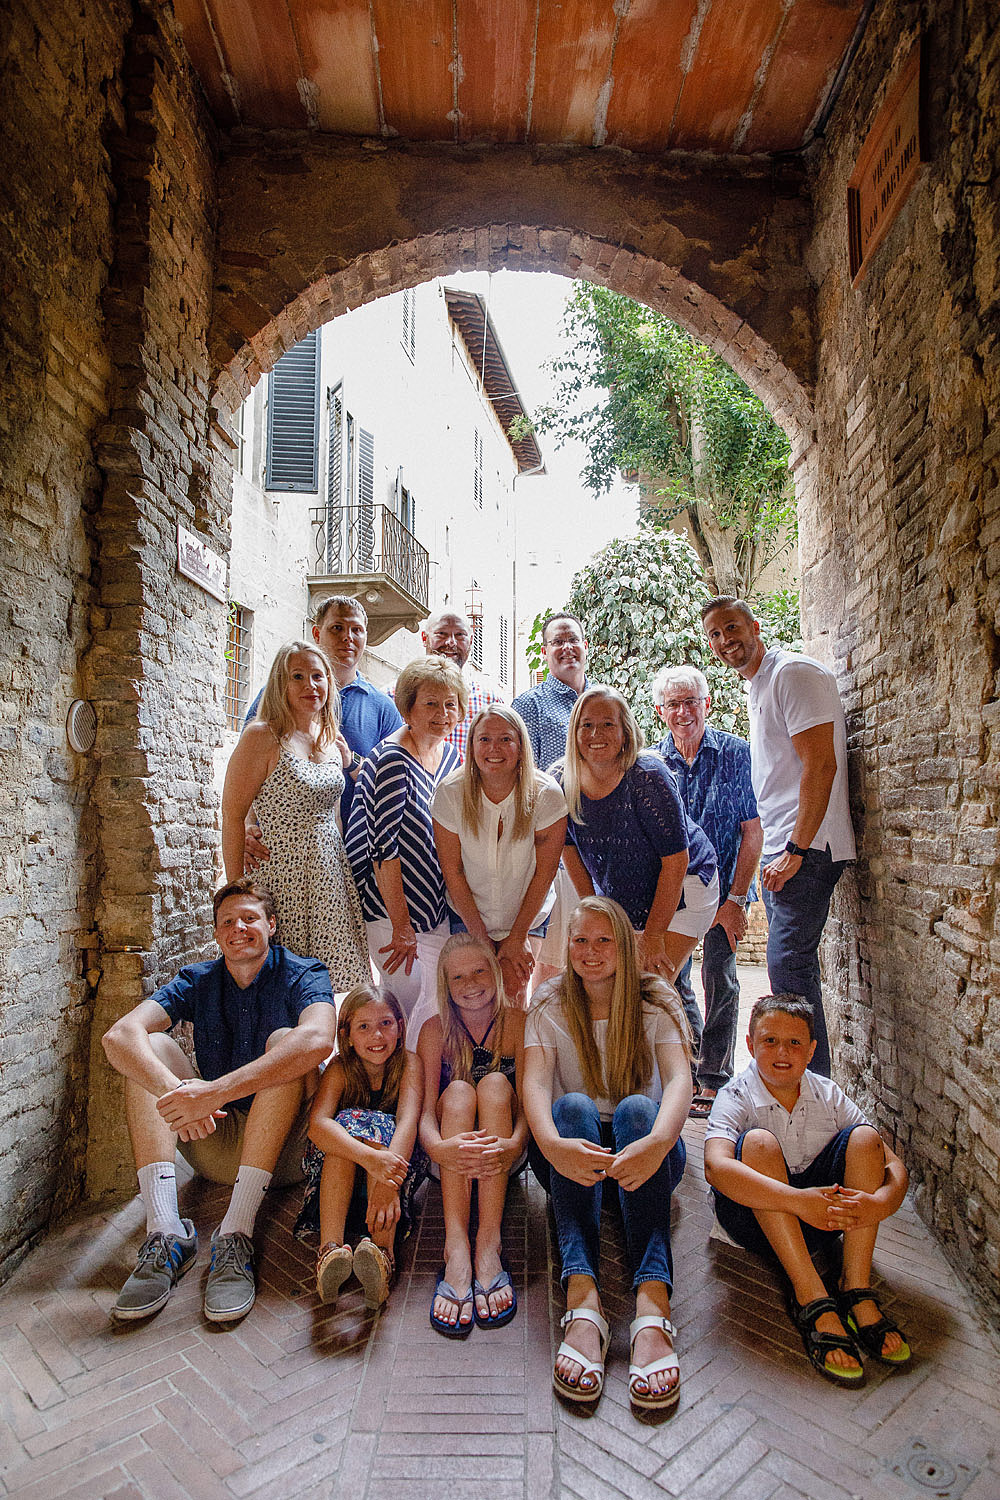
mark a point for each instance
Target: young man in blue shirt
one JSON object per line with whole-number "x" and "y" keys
{"x": 263, "y": 1021}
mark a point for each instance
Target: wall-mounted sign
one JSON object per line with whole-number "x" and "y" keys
{"x": 886, "y": 168}
{"x": 198, "y": 562}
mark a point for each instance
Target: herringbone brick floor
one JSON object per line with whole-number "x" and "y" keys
{"x": 299, "y": 1400}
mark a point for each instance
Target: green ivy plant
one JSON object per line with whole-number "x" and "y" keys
{"x": 640, "y": 601}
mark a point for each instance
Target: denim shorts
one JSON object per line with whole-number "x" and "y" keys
{"x": 740, "y": 1222}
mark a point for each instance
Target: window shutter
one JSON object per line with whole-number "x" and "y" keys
{"x": 504, "y": 647}
{"x": 409, "y": 338}
{"x": 293, "y": 419}
{"x": 334, "y": 481}
{"x": 477, "y": 482}
{"x": 366, "y": 495}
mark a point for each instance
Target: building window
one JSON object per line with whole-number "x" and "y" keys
{"x": 239, "y": 640}
{"x": 241, "y": 436}
{"x": 477, "y": 476}
{"x": 504, "y": 651}
{"x": 409, "y": 336}
{"x": 293, "y": 419}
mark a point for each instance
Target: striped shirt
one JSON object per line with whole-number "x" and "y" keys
{"x": 391, "y": 819}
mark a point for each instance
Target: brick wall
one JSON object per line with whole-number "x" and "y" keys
{"x": 60, "y": 85}
{"x": 901, "y": 554}
{"x": 156, "y": 666}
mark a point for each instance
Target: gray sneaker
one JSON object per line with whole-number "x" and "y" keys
{"x": 161, "y": 1263}
{"x": 231, "y": 1286}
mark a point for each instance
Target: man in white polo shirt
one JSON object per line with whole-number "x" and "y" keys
{"x": 798, "y": 760}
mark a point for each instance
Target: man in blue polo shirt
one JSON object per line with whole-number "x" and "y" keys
{"x": 712, "y": 769}
{"x": 263, "y": 1021}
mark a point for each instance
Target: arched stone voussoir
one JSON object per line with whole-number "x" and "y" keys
{"x": 309, "y": 229}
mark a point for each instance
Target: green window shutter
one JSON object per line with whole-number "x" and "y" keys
{"x": 293, "y": 419}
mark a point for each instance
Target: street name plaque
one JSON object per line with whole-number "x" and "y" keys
{"x": 886, "y": 168}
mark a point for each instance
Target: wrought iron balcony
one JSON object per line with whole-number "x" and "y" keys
{"x": 365, "y": 550}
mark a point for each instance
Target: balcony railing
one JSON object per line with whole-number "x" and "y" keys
{"x": 364, "y": 539}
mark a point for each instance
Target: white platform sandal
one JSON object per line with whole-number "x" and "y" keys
{"x": 589, "y": 1366}
{"x": 658, "y": 1400}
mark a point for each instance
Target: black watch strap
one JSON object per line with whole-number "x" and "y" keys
{"x": 791, "y": 848}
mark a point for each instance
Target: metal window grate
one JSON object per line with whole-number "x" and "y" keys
{"x": 239, "y": 638}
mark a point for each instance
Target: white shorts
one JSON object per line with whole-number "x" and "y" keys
{"x": 420, "y": 985}
{"x": 701, "y": 903}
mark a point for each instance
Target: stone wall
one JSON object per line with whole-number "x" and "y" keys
{"x": 156, "y": 664}
{"x": 901, "y": 557}
{"x": 108, "y": 858}
{"x": 60, "y": 84}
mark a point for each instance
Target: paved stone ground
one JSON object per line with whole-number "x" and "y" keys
{"x": 300, "y": 1400}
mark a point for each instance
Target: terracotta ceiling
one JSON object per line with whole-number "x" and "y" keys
{"x": 649, "y": 75}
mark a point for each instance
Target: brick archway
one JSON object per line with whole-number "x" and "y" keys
{"x": 719, "y": 251}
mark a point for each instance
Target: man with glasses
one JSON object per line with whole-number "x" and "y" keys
{"x": 712, "y": 770}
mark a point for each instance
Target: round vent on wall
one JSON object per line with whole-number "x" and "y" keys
{"x": 81, "y": 725}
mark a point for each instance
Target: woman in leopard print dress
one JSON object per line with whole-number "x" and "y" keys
{"x": 289, "y": 765}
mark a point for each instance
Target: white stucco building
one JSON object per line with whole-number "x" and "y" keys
{"x": 375, "y": 461}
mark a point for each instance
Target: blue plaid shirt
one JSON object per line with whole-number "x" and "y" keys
{"x": 545, "y": 709}
{"x": 718, "y": 794}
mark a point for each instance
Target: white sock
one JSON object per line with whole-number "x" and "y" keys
{"x": 158, "y": 1186}
{"x": 248, "y": 1194}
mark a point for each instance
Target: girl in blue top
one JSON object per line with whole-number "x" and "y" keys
{"x": 629, "y": 836}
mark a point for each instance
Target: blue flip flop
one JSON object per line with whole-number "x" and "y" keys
{"x": 456, "y": 1330}
{"x": 496, "y": 1285}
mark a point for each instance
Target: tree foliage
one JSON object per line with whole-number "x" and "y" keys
{"x": 640, "y": 601}
{"x": 672, "y": 413}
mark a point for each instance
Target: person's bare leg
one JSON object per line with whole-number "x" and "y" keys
{"x": 496, "y": 1115}
{"x": 864, "y": 1168}
{"x": 653, "y": 1300}
{"x": 152, "y": 1138}
{"x": 784, "y": 1233}
{"x": 581, "y": 1291}
{"x": 456, "y": 1114}
{"x": 677, "y": 949}
{"x": 336, "y": 1184}
{"x": 272, "y": 1115}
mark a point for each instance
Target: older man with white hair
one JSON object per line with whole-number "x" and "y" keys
{"x": 712, "y": 769}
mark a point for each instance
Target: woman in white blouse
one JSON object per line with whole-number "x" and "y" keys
{"x": 500, "y": 827}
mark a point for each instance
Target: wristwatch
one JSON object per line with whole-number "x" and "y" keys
{"x": 357, "y": 761}
{"x": 791, "y": 848}
{"x": 741, "y": 901}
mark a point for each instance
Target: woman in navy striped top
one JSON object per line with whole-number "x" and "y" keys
{"x": 390, "y": 837}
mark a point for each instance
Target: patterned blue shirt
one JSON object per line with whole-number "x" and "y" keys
{"x": 545, "y": 709}
{"x": 717, "y": 792}
{"x": 391, "y": 819}
{"x": 232, "y": 1025}
{"x": 624, "y": 837}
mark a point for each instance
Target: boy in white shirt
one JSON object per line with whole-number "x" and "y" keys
{"x": 791, "y": 1161}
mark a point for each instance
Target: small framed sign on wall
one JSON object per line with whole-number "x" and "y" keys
{"x": 887, "y": 166}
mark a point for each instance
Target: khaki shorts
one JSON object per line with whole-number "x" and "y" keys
{"x": 217, "y": 1157}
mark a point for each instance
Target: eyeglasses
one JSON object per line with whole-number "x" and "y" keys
{"x": 675, "y": 703}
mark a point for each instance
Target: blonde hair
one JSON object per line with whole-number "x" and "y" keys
{"x": 357, "y": 1085}
{"x": 627, "y": 1065}
{"x": 273, "y": 707}
{"x": 627, "y": 755}
{"x": 456, "y": 1048}
{"x": 525, "y": 777}
{"x": 435, "y": 670}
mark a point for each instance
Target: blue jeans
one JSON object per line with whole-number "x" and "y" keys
{"x": 715, "y": 1041}
{"x": 577, "y": 1209}
{"x": 741, "y": 1223}
{"x": 796, "y": 916}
